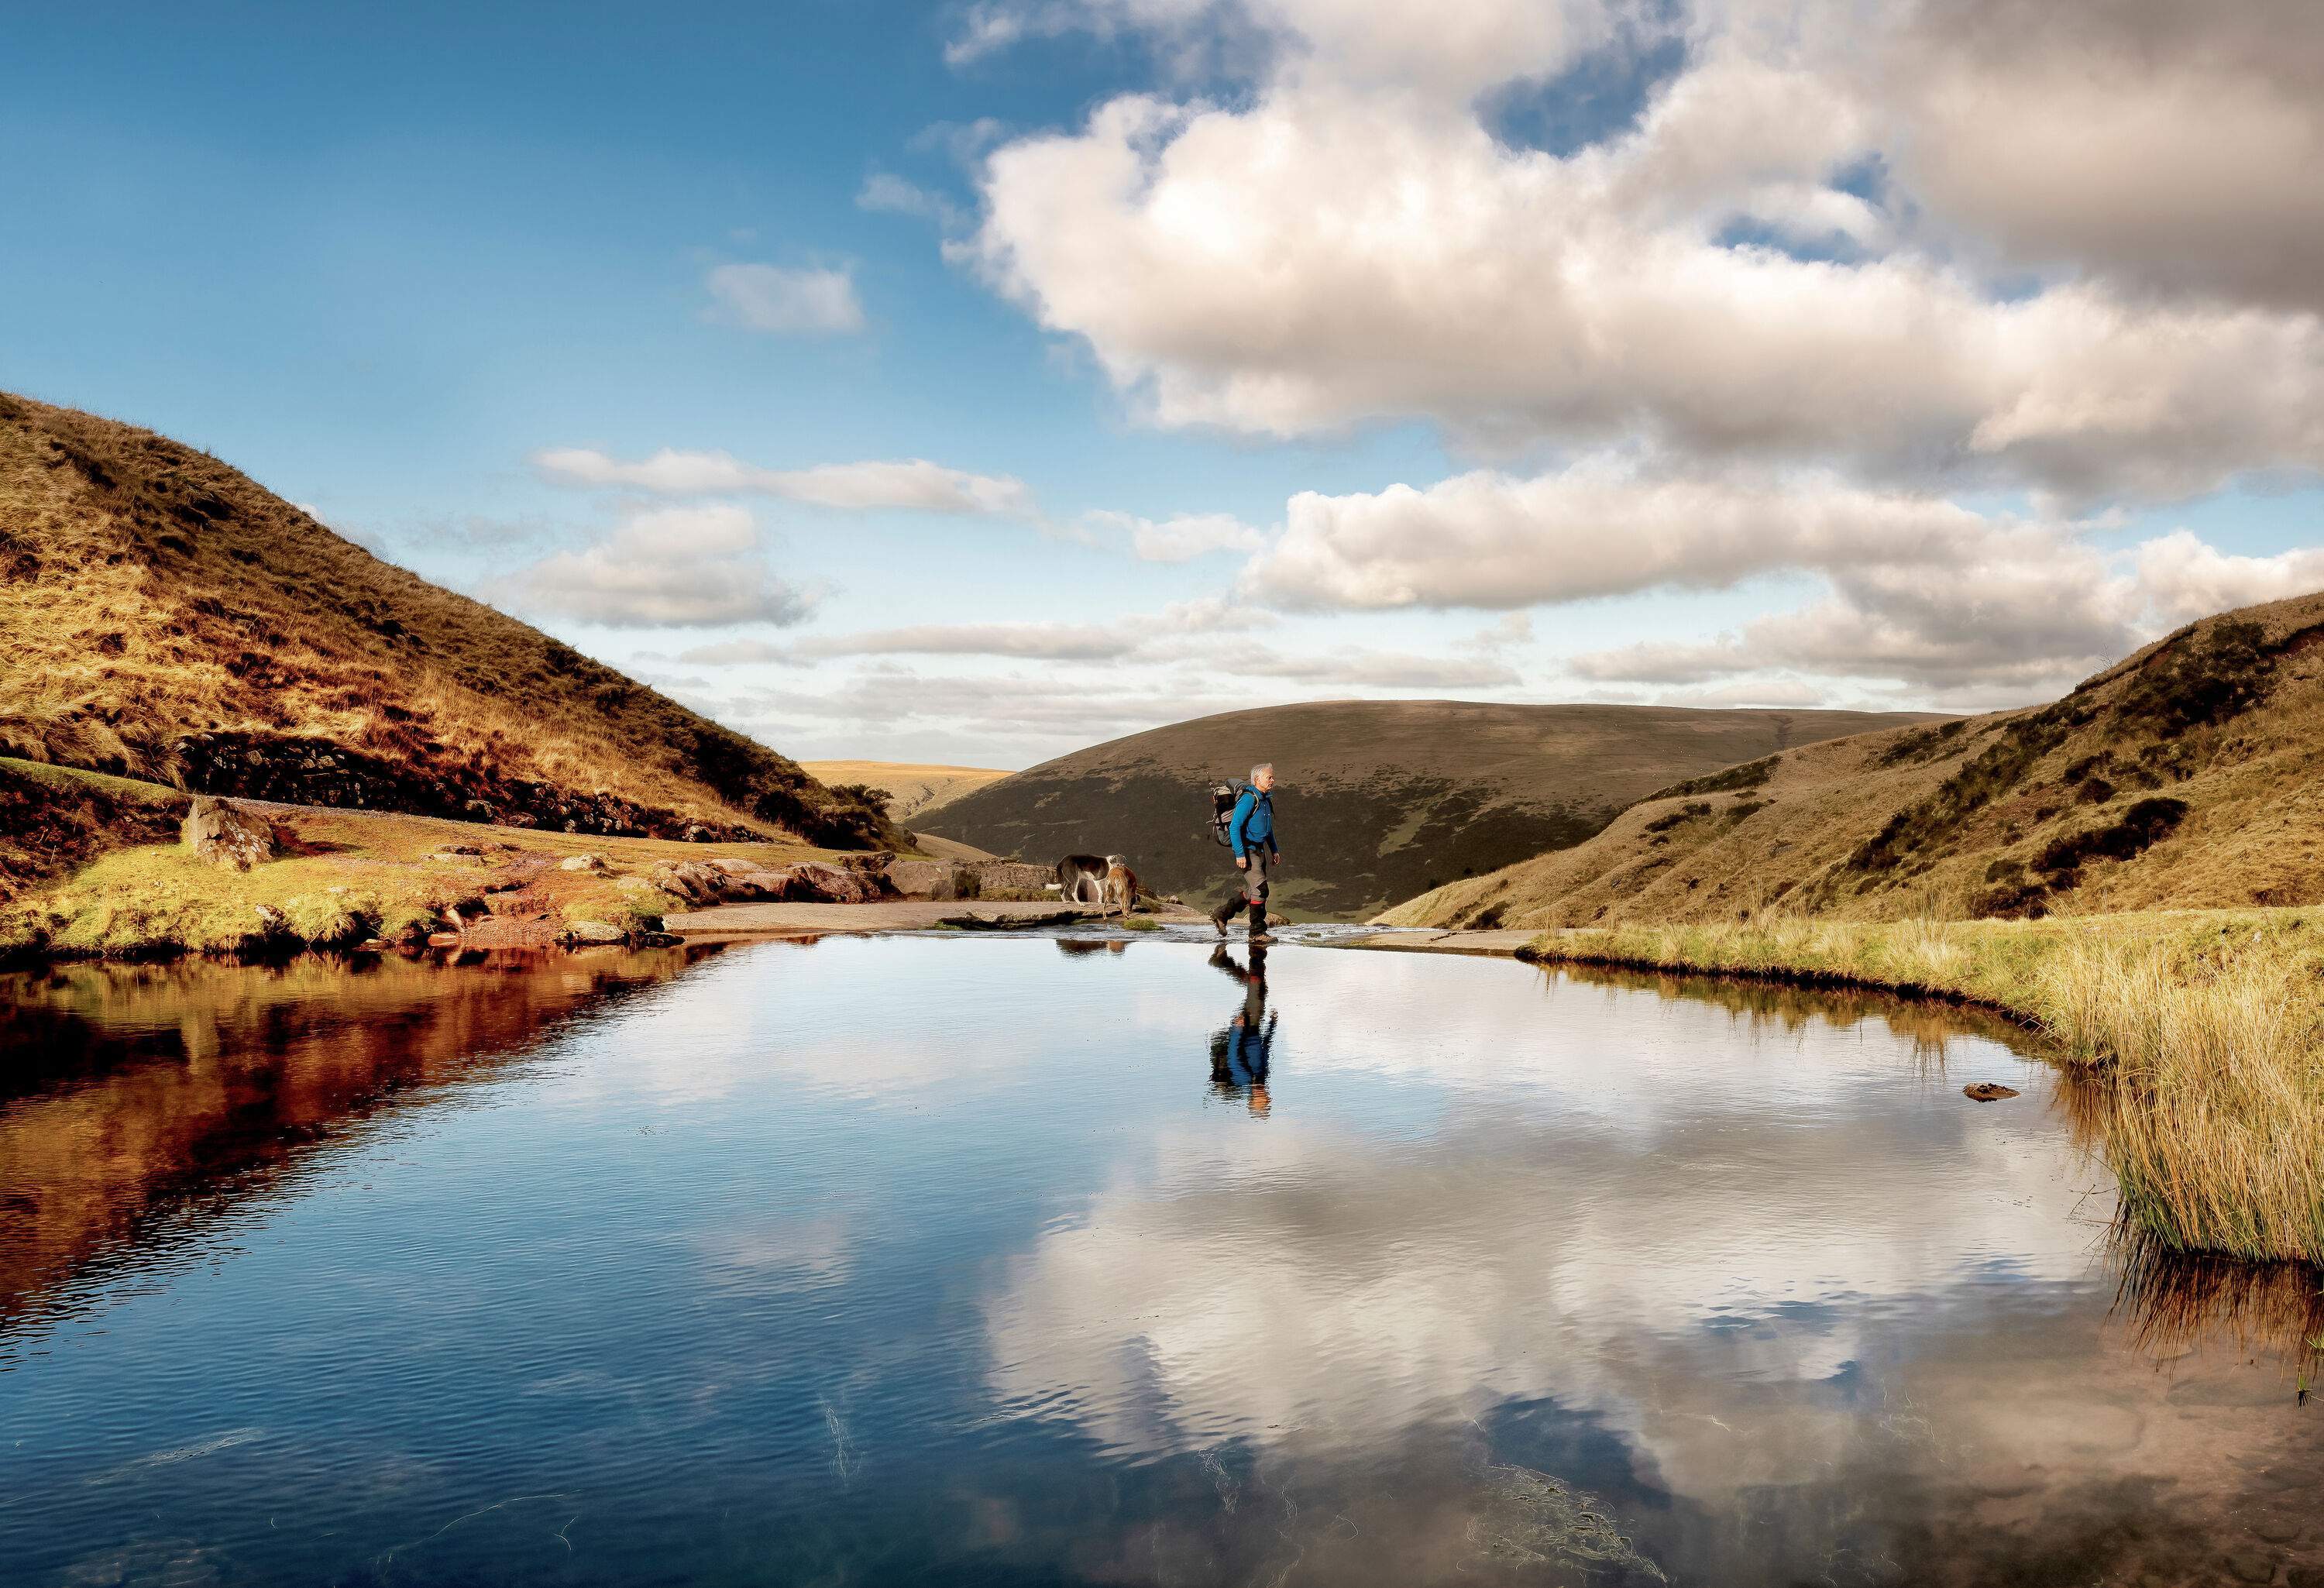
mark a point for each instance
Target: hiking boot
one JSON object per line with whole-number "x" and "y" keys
{"x": 1220, "y": 922}
{"x": 1255, "y": 937}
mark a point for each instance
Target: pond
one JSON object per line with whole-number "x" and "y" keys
{"x": 1028, "y": 1260}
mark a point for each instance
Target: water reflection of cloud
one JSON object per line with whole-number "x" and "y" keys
{"x": 1340, "y": 1288}
{"x": 1907, "y": 1341}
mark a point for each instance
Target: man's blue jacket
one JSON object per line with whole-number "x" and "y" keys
{"x": 1252, "y": 823}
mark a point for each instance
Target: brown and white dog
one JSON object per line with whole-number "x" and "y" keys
{"x": 1121, "y": 887}
{"x": 1102, "y": 880}
{"x": 1081, "y": 879}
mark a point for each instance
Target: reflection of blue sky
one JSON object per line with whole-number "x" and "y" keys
{"x": 794, "y": 1258}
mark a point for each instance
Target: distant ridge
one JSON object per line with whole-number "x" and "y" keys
{"x": 163, "y": 616}
{"x": 913, "y": 788}
{"x": 2189, "y": 775}
{"x": 1381, "y": 798}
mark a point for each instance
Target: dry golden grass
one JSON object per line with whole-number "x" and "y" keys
{"x": 2209, "y": 1026}
{"x": 2006, "y": 814}
{"x": 148, "y": 591}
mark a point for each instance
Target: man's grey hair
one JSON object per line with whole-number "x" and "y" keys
{"x": 1264, "y": 766}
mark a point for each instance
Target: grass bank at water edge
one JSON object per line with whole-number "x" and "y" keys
{"x": 2209, "y": 1023}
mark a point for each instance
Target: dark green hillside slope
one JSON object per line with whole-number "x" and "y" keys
{"x": 1378, "y": 799}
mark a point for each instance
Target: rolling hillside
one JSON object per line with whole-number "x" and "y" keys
{"x": 912, "y": 788}
{"x": 164, "y": 617}
{"x": 2186, "y": 776}
{"x": 1378, "y": 799}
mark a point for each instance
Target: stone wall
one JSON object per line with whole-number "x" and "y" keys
{"x": 969, "y": 879}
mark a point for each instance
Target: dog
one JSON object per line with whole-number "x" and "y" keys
{"x": 1121, "y": 887}
{"x": 1081, "y": 879}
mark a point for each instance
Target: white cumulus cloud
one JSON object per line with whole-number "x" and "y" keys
{"x": 1349, "y": 241}
{"x": 1920, "y": 590}
{"x": 1601, "y": 527}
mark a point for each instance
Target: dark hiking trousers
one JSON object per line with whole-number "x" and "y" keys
{"x": 1253, "y": 894}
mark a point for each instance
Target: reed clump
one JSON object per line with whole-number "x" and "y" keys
{"x": 2207, "y": 1026}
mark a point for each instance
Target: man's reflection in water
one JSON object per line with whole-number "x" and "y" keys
{"x": 1239, "y": 1049}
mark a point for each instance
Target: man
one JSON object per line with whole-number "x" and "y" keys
{"x": 1239, "y": 1052}
{"x": 1251, "y": 832}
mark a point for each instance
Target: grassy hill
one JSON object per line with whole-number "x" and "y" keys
{"x": 1378, "y": 799}
{"x": 912, "y": 788}
{"x": 164, "y": 617}
{"x": 2186, "y": 776}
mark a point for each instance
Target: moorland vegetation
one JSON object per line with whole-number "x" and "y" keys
{"x": 164, "y": 617}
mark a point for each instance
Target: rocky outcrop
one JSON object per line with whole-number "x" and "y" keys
{"x": 928, "y": 878}
{"x": 308, "y": 770}
{"x": 968, "y": 878}
{"x": 705, "y": 883}
{"x": 835, "y": 884}
{"x": 225, "y": 834}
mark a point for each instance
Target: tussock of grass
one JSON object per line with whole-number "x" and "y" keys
{"x": 2209, "y": 1025}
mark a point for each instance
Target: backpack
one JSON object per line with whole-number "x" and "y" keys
{"x": 1223, "y": 803}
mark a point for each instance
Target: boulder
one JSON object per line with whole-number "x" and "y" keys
{"x": 931, "y": 879}
{"x": 225, "y": 834}
{"x": 692, "y": 880}
{"x": 832, "y": 885}
{"x": 594, "y": 932}
{"x": 1988, "y": 1091}
{"x": 1007, "y": 878}
{"x": 581, "y": 862}
{"x": 705, "y": 883}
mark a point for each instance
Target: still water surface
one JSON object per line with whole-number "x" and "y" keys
{"x": 1027, "y": 1261}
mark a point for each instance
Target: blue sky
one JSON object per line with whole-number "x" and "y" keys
{"x": 385, "y": 259}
